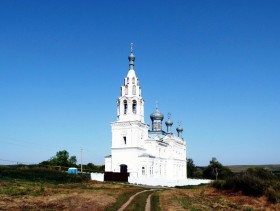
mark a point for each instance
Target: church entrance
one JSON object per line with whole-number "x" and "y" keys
{"x": 123, "y": 168}
{"x": 121, "y": 176}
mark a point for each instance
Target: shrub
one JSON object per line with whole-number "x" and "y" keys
{"x": 253, "y": 186}
{"x": 272, "y": 196}
{"x": 41, "y": 174}
{"x": 253, "y": 182}
{"x": 261, "y": 173}
{"x": 218, "y": 184}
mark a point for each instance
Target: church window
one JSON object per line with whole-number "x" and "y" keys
{"x": 134, "y": 106}
{"x": 124, "y": 139}
{"x": 151, "y": 170}
{"x": 134, "y": 90}
{"x": 143, "y": 170}
{"x": 128, "y": 80}
{"x": 126, "y": 89}
{"x": 125, "y": 106}
{"x": 133, "y": 80}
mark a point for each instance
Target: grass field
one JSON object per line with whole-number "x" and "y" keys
{"x": 32, "y": 189}
{"x": 25, "y": 195}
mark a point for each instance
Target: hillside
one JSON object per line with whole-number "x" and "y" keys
{"x": 239, "y": 168}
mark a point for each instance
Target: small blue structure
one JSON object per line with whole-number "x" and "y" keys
{"x": 72, "y": 171}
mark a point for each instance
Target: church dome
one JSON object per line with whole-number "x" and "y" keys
{"x": 131, "y": 57}
{"x": 157, "y": 115}
{"x": 169, "y": 122}
{"x": 179, "y": 129}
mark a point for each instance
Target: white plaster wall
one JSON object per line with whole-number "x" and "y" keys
{"x": 127, "y": 156}
{"x": 155, "y": 181}
{"x": 108, "y": 164}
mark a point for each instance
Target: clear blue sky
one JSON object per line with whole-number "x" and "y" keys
{"x": 214, "y": 65}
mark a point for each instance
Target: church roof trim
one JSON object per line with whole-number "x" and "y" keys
{"x": 146, "y": 155}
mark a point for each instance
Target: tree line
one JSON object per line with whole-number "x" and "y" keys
{"x": 215, "y": 170}
{"x": 255, "y": 181}
{"x": 63, "y": 159}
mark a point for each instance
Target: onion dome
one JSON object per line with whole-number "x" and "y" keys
{"x": 157, "y": 115}
{"x": 179, "y": 129}
{"x": 169, "y": 122}
{"x": 131, "y": 57}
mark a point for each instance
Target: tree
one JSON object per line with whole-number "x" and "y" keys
{"x": 191, "y": 168}
{"x": 95, "y": 168}
{"x": 72, "y": 161}
{"x": 61, "y": 159}
{"x": 215, "y": 169}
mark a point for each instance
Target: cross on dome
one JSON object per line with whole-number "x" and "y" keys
{"x": 131, "y": 47}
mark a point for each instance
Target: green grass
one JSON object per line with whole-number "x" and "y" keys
{"x": 190, "y": 186}
{"x": 155, "y": 201}
{"x": 139, "y": 202}
{"x": 18, "y": 188}
{"x": 122, "y": 198}
{"x": 186, "y": 204}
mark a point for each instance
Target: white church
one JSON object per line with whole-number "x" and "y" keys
{"x": 145, "y": 153}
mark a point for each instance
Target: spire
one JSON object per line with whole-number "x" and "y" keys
{"x": 131, "y": 57}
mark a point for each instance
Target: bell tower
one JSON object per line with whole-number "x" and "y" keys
{"x": 129, "y": 130}
{"x": 130, "y": 103}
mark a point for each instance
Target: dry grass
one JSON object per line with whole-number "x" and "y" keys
{"x": 207, "y": 198}
{"x": 19, "y": 195}
{"x": 23, "y": 195}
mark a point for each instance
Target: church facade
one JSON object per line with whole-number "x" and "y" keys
{"x": 137, "y": 149}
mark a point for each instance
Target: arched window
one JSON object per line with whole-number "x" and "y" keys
{"x": 134, "y": 90}
{"x": 143, "y": 170}
{"x": 134, "y": 106}
{"x": 126, "y": 90}
{"x": 127, "y": 80}
{"x": 125, "y": 106}
{"x": 133, "y": 80}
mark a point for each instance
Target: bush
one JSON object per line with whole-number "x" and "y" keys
{"x": 253, "y": 186}
{"x": 218, "y": 184}
{"x": 253, "y": 182}
{"x": 41, "y": 174}
{"x": 273, "y": 196}
{"x": 261, "y": 173}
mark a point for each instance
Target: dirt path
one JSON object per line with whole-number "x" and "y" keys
{"x": 130, "y": 199}
{"x": 148, "y": 202}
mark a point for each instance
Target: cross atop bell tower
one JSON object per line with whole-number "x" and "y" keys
{"x": 131, "y": 57}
